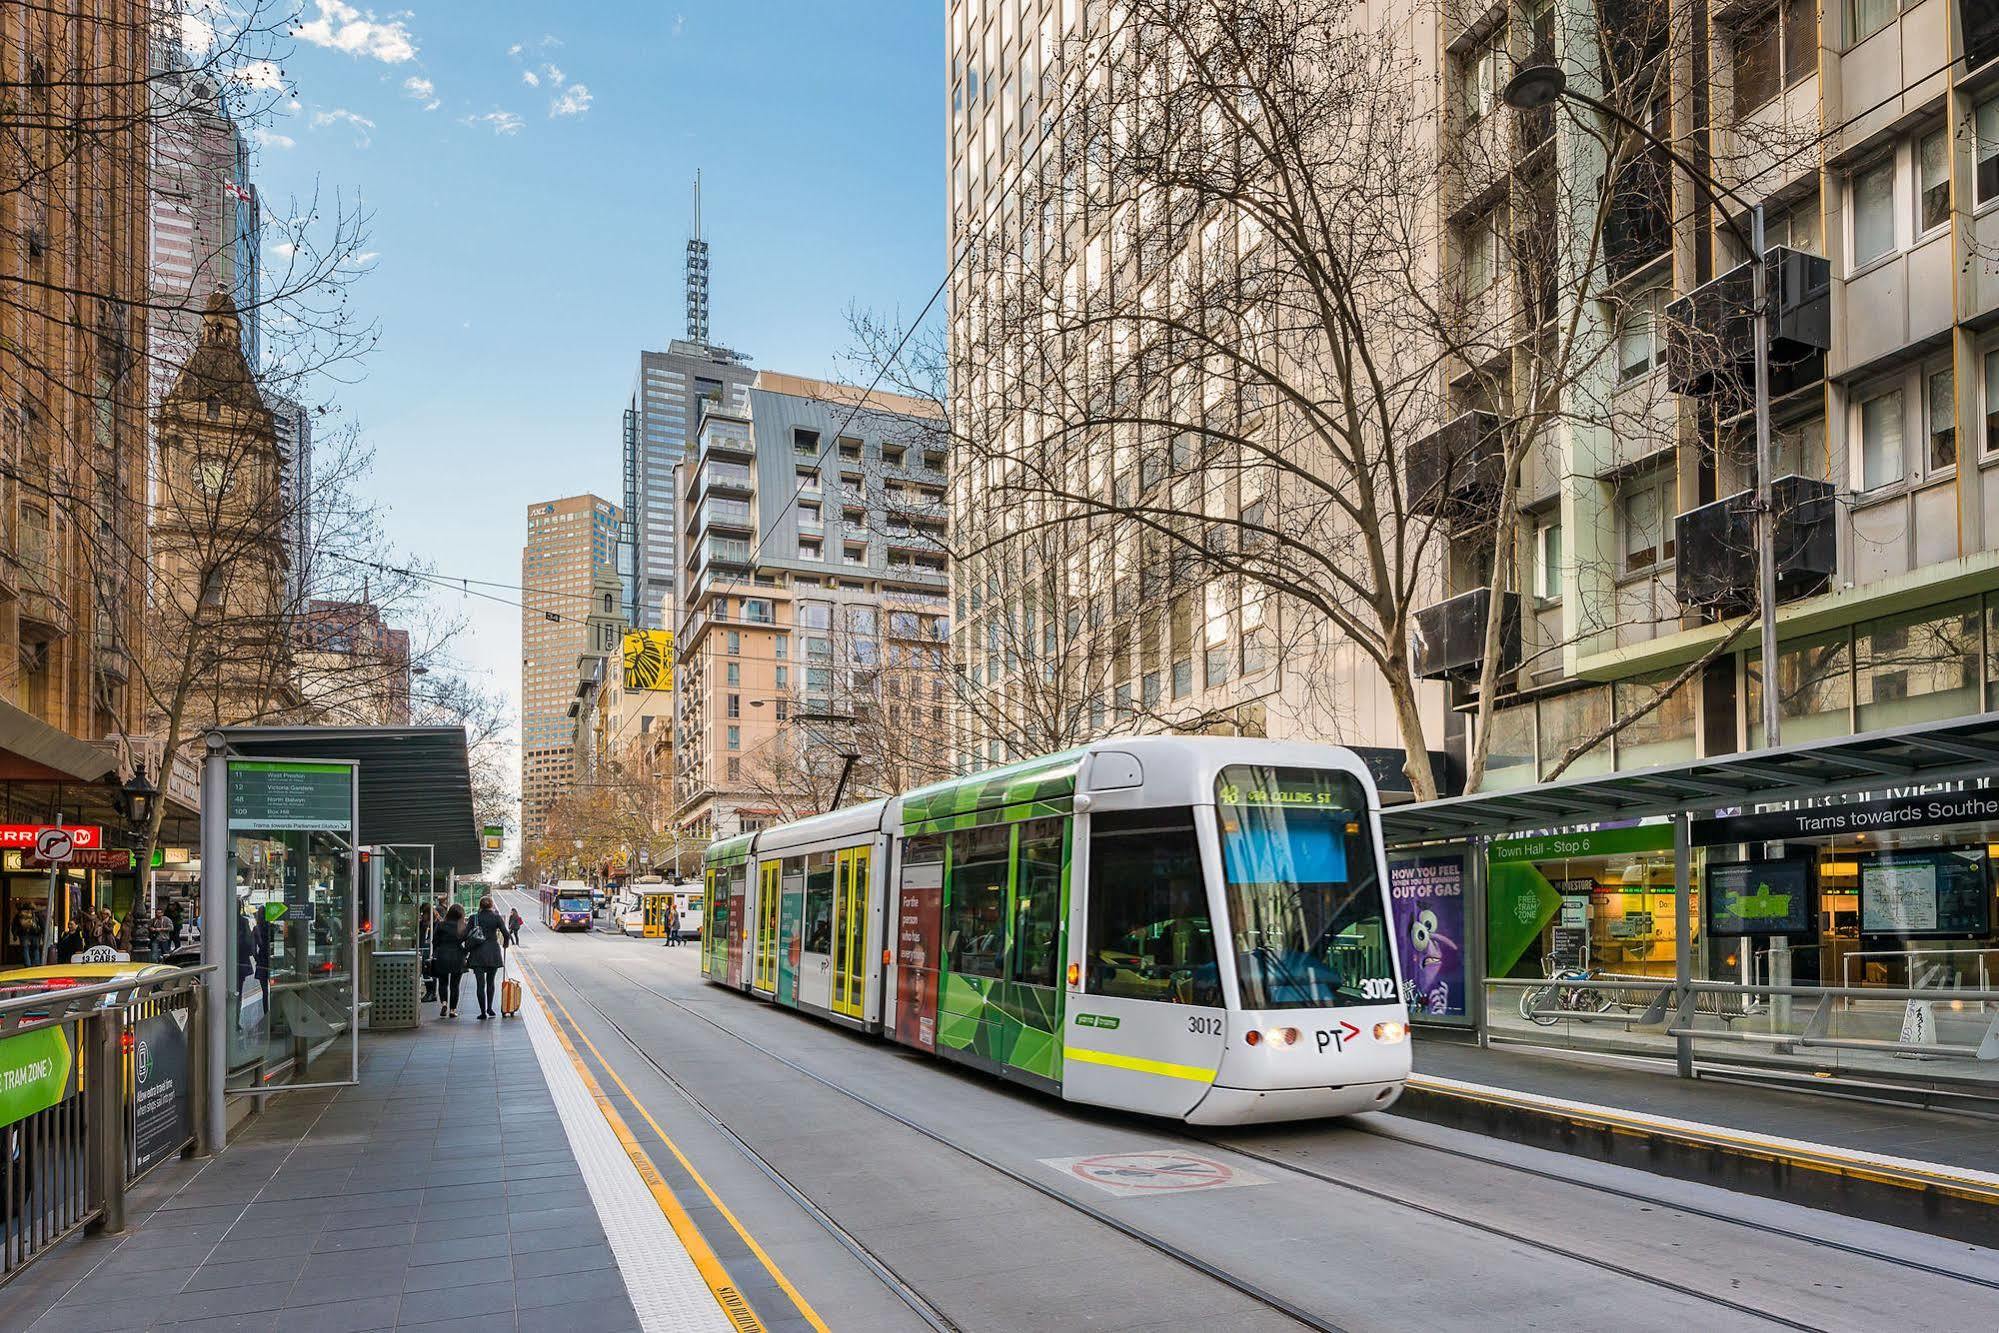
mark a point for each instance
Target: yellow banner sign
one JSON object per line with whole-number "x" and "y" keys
{"x": 649, "y": 659}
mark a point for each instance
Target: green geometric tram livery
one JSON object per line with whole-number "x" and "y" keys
{"x": 1193, "y": 927}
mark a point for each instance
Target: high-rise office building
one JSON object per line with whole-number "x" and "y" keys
{"x": 568, "y": 542}
{"x": 661, "y": 417}
{"x": 205, "y": 220}
{"x": 293, "y": 423}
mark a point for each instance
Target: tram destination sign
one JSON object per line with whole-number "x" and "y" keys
{"x": 289, "y": 794}
{"x": 1825, "y": 821}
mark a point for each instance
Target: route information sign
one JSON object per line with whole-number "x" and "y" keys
{"x": 290, "y": 795}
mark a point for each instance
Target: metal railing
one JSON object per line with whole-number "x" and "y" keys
{"x": 1644, "y": 1002}
{"x": 101, "y": 1083}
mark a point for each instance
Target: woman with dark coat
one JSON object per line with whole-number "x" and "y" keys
{"x": 486, "y": 957}
{"x": 447, "y": 958}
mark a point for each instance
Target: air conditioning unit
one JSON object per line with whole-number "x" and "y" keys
{"x": 1710, "y": 332}
{"x": 1455, "y": 472}
{"x": 1449, "y": 638}
{"x": 1716, "y": 543}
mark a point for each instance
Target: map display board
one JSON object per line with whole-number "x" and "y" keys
{"x": 1761, "y": 898}
{"x": 1937, "y": 893}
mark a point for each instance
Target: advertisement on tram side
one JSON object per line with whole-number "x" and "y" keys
{"x": 919, "y": 924}
{"x": 1426, "y": 896}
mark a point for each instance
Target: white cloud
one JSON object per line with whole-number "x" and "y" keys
{"x": 679, "y": 24}
{"x": 529, "y": 77}
{"x": 575, "y": 100}
{"x": 423, "y": 90}
{"x": 271, "y": 138}
{"x": 284, "y": 249}
{"x": 342, "y": 27}
{"x": 361, "y": 260}
{"x": 341, "y": 115}
{"x": 500, "y": 122}
{"x": 514, "y": 50}
{"x": 263, "y": 74}
{"x": 555, "y": 75}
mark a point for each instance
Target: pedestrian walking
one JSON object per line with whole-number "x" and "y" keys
{"x": 672, "y": 923}
{"x": 514, "y": 924}
{"x": 488, "y": 939}
{"x": 425, "y": 920}
{"x": 165, "y": 936}
{"x": 69, "y": 944}
{"x": 448, "y": 947}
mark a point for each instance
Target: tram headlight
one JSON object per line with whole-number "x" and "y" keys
{"x": 1391, "y": 1032}
{"x": 1282, "y": 1037}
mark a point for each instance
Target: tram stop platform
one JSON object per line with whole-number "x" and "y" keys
{"x": 1870, "y": 1157}
{"x": 448, "y": 1190}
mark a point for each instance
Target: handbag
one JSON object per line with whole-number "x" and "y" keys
{"x": 475, "y": 936}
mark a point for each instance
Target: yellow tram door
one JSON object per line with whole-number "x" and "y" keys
{"x": 765, "y": 977}
{"x": 850, "y": 916}
{"x": 654, "y": 905}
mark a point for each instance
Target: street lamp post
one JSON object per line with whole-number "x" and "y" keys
{"x": 1541, "y": 85}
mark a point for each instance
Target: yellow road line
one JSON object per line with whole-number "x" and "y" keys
{"x": 712, "y": 1272}
{"x": 805, "y": 1309}
{"x": 1164, "y": 1068}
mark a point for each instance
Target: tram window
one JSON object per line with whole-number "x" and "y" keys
{"x": 977, "y": 912}
{"x": 1149, "y": 933}
{"x": 819, "y": 903}
{"x": 1037, "y": 903}
{"x": 1305, "y": 907}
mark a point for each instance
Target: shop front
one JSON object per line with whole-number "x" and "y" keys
{"x": 1827, "y": 910}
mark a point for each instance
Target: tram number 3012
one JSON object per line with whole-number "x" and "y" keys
{"x": 1205, "y": 1025}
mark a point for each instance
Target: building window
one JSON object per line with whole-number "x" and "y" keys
{"x": 1864, "y": 18}
{"x": 1873, "y": 192}
{"x": 1940, "y": 420}
{"x": 1779, "y": 48}
{"x": 783, "y": 676}
{"x": 735, "y": 738}
{"x": 1482, "y": 71}
{"x": 1548, "y": 558}
{"x": 783, "y": 709}
{"x": 1645, "y": 513}
{"x": 1481, "y": 253}
{"x": 735, "y": 673}
{"x": 1990, "y": 362}
{"x": 1880, "y": 429}
{"x": 1985, "y": 151}
{"x": 1933, "y": 181}
{"x": 1639, "y": 347}
{"x": 735, "y": 769}
{"x": 735, "y": 643}
{"x": 735, "y": 705}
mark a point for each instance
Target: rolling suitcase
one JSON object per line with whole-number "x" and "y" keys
{"x": 510, "y": 998}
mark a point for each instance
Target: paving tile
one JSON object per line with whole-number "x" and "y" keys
{"x": 227, "y": 1300}
{"x": 436, "y": 1277}
{"x": 88, "y": 1315}
{"x": 568, "y": 1289}
{"x": 500, "y": 1322}
{"x": 453, "y": 1251}
{"x": 245, "y": 1273}
{"x": 453, "y": 1228}
{"x": 260, "y": 1322}
{"x": 373, "y": 1312}
{"x": 576, "y": 1259}
{"x": 365, "y": 1238}
{"x": 593, "y": 1315}
{"x": 474, "y": 1297}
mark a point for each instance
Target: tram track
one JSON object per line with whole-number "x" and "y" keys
{"x": 1289, "y": 1309}
{"x": 1517, "y": 1236}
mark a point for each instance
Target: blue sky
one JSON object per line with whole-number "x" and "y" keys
{"x": 527, "y": 167}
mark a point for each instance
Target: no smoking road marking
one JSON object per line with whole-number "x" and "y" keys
{"x": 1130, "y": 1175}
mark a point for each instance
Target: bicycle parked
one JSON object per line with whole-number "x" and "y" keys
{"x": 1536, "y": 1003}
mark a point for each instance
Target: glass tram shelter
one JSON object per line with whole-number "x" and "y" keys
{"x": 318, "y": 846}
{"x": 1825, "y": 910}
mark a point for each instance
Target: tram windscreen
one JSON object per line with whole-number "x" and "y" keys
{"x": 572, "y": 904}
{"x": 1305, "y": 906}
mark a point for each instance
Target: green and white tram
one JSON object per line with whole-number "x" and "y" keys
{"x": 1194, "y": 927}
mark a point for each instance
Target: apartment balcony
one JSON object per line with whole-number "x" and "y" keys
{"x": 1455, "y": 472}
{"x": 727, "y": 441}
{"x": 716, "y": 478}
{"x": 716, "y": 512}
{"x": 723, "y": 551}
{"x": 1710, "y": 332}
{"x": 1716, "y": 569}
{"x": 1449, "y": 637}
